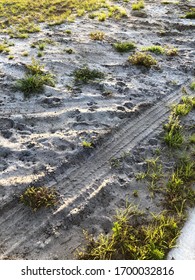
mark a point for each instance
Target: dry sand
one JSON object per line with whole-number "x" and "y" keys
{"x": 41, "y": 137}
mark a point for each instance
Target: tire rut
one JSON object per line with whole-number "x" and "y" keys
{"x": 83, "y": 182}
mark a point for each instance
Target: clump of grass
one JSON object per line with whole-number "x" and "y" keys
{"x": 97, "y": 35}
{"x": 139, "y": 5}
{"x": 172, "y": 52}
{"x": 35, "y": 79}
{"x": 192, "y": 86}
{"x": 87, "y": 144}
{"x": 155, "y": 49}
{"x": 173, "y": 132}
{"x": 169, "y": 2}
{"x": 190, "y": 14}
{"x": 85, "y": 74}
{"x": 102, "y": 16}
{"x": 124, "y": 46}
{"x": 69, "y": 50}
{"x": 178, "y": 193}
{"x": 144, "y": 59}
{"x": 135, "y": 193}
{"x": 35, "y": 68}
{"x": 37, "y": 197}
{"x": 39, "y": 54}
{"x": 4, "y": 48}
{"x": 192, "y": 138}
{"x": 184, "y": 108}
{"x": 69, "y": 32}
{"x": 10, "y": 57}
{"x": 31, "y": 84}
{"x": 134, "y": 238}
{"x": 41, "y": 46}
{"x": 25, "y": 53}
{"x": 152, "y": 174}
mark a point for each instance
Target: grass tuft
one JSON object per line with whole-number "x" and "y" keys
{"x": 85, "y": 74}
{"x": 173, "y": 132}
{"x": 97, "y": 35}
{"x": 144, "y": 59}
{"x": 154, "y": 49}
{"x": 39, "y": 197}
{"x": 35, "y": 79}
{"x": 124, "y": 46}
{"x": 139, "y": 5}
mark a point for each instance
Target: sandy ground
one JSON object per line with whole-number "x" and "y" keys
{"x": 41, "y": 137}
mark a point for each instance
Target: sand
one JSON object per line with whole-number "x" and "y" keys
{"x": 41, "y": 136}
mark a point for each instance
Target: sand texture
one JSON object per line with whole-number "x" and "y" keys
{"x": 121, "y": 114}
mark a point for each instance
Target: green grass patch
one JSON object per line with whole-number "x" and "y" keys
{"x": 154, "y": 49}
{"x": 139, "y": 5}
{"x": 23, "y": 16}
{"x": 124, "y": 46}
{"x": 85, "y": 74}
{"x": 190, "y": 14}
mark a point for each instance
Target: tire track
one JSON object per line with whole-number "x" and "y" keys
{"x": 82, "y": 183}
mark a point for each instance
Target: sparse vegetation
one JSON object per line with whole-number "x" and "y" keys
{"x": 144, "y": 59}
{"x": 152, "y": 174}
{"x": 190, "y": 14}
{"x": 37, "y": 197}
{"x": 137, "y": 236}
{"x": 85, "y": 74}
{"x": 178, "y": 192}
{"x": 53, "y": 12}
{"x": 124, "y": 46}
{"x": 134, "y": 237}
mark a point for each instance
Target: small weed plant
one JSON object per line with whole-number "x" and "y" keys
{"x": 37, "y": 197}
